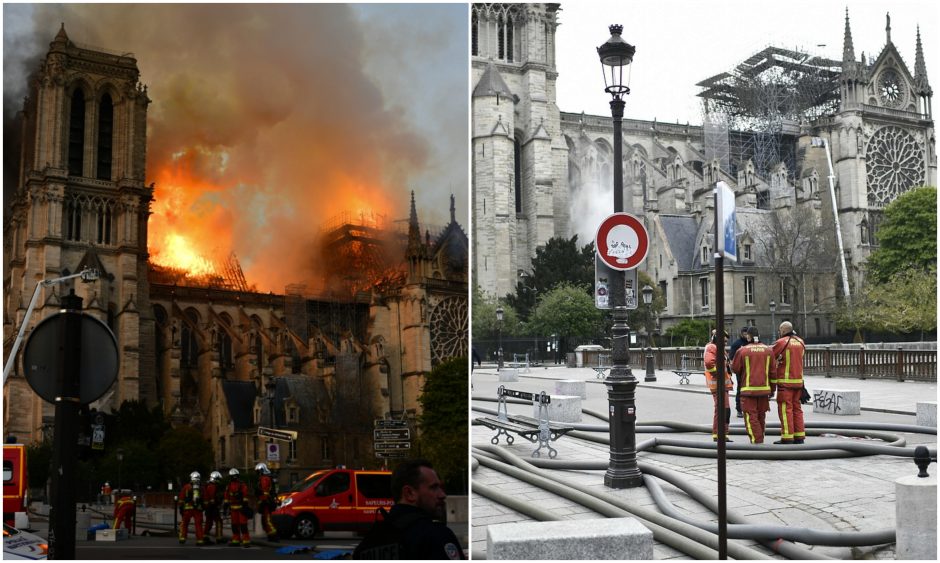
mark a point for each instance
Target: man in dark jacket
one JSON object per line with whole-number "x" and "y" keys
{"x": 743, "y": 340}
{"x": 411, "y": 529}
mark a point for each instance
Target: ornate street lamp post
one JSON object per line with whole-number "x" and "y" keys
{"x": 271, "y": 387}
{"x": 622, "y": 471}
{"x": 773, "y": 321}
{"x": 647, "y": 292}
{"x": 120, "y": 459}
{"x": 499, "y": 338}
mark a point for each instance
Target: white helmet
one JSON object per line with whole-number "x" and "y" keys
{"x": 214, "y": 476}
{"x": 262, "y": 469}
{"x": 194, "y": 477}
{"x": 233, "y": 472}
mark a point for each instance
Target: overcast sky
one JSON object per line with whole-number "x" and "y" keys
{"x": 682, "y": 42}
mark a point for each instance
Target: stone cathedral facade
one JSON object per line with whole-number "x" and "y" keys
{"x": 215, "y": 356}
{"x": 534, "y": 165}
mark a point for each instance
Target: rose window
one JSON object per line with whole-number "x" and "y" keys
{"x": 449, "y": 330}
{"x": 895, "y": 165}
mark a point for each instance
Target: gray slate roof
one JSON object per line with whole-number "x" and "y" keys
{"x": 491, "y": 83}
{"x": 681, "y": 233}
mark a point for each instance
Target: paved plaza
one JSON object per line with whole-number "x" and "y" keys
{"x": 827, "y": 494}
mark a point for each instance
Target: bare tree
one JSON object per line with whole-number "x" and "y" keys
{"x": 798, "y": 247}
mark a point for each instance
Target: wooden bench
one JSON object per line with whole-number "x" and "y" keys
{"x": 534, "y": 430}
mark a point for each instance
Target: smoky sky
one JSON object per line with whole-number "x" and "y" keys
{"x": 276, "y": 117}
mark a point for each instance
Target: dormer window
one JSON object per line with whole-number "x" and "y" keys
{"x": 257, "y": 414}
{"x": 293, "y": 414}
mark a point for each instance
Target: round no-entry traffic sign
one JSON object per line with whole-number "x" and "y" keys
{"x": 43, "y": 358}
{"x": 622, "y": 241}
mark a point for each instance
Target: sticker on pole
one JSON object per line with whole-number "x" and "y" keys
{"x": 622, "y": 241}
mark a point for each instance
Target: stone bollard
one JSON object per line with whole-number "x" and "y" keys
{"x": 916, "y": 512}
{"x": 927, "y": 413}
{"x": 571, "y": 387}
{"x": 510, "y": 375}
{"x": 563, "y": 408}
{"x": 82, "y": 523}
{"x": 837, "y": 401}
{"x": 590, "y": 539}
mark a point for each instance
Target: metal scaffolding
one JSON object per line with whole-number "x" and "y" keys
{"x": 763, "y": 101}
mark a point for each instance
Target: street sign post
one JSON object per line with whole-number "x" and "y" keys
{"x": 393, "y": 445}
{"x": 382, "y": 434}
{"x": 284, "y": 435}
{"x": 391, "y": 454}
{"x": 389, "y": 423}
{"x": 274, "y": 452}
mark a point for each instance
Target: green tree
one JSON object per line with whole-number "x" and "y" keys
{"x": 689, "y": 332}
{"x": 444, "y": 422}
{"x": 183, "y": 450}
{"x": 907, "y": 302}
{"x": 134, "y": 421}
{"x": 567, "y": 311}
{"x": 484, "y": 317}
{"x": 561, "y": 260}
{"x": 907, "y": 237}
{"x": 38, "y": 462}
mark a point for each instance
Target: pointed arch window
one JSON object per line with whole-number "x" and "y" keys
{"x": 189, "y": 353}
{"x": 225, "y": 350}
{"x": 77, "y": 133}
{"x": 104, "y": 215}
{"x": 105, "y": 136}
{"x": 73, "y": 219}
{"x": 474, "y": 34}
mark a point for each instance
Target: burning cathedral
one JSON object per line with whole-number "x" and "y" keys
{"x": 208, "y": 348}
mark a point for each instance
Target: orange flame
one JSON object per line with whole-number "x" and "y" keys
{"x": 187, "y": 231}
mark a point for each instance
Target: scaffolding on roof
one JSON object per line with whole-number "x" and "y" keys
{"x": 764, "y": 100}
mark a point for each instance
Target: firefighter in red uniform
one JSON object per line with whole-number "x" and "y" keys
{"x": 753, "y": 364}
{"x": 266, "y": 495}
{"x": 788, "y": 379}
{"x": 124, "y": 510}
{"x": 236, "y": 496}
{"x": 190, "y": 506}
{"x": 213, "y": 498}
{"x": 711, "y": 367}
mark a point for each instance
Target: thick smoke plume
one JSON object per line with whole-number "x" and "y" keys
{"x": 263, "y": 122}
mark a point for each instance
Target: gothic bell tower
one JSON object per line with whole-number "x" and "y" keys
{"x": 883, "y": 141}
{"x": 81, "y": 201}
{"x": 520, "y": 158}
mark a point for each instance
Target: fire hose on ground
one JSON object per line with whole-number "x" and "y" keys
{"x": 671, "y": 527}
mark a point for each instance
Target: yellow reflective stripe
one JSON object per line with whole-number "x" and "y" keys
{"x": 784, "y": 425}
{"x": 747, "y": 424}
{"x": 747, "y": 371}
{"x": 764, "y": 388}
{"x": 788, "y": 380}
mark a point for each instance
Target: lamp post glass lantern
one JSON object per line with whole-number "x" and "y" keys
{"x": 622, "y": 471}
{"x": 499, "y": 338}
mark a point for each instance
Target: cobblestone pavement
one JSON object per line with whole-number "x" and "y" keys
{"x": 851, "y": 494}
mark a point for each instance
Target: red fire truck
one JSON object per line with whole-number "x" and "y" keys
{"x": 15, "y": 486}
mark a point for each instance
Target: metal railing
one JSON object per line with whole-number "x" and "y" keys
{"x": 899, "y": 364}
